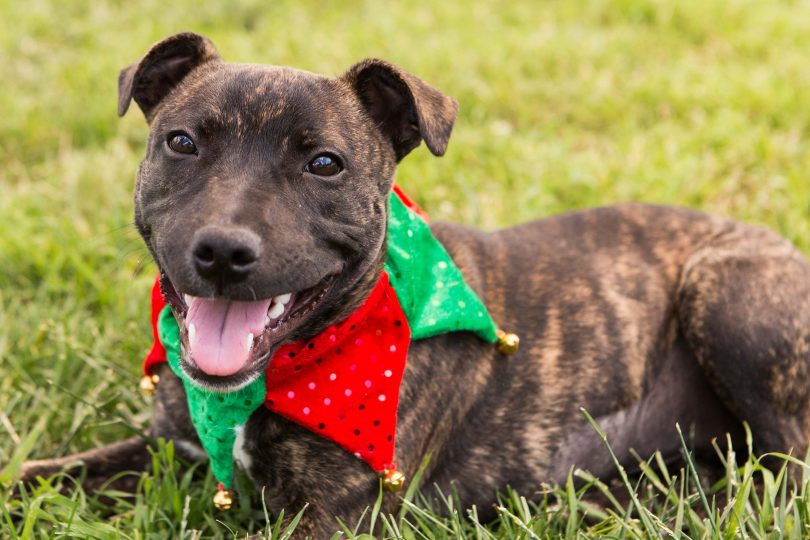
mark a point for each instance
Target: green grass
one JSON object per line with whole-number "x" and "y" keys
{"x": 564, "y": 105}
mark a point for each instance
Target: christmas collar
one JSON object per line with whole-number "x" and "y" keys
{"x": 344, "y": 383}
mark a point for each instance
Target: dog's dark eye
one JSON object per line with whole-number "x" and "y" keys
{"x": 324, "y": 165}
{"x": 182, "y": 143}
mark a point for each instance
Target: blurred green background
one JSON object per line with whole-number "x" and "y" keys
{"x": 564, "y": 105}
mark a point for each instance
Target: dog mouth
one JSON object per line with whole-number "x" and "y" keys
{"x": 226, "y": 342}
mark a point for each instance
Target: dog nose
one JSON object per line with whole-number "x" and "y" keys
{"x": 224, "y": 254}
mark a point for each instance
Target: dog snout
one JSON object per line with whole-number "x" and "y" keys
{"x": 224, "y": 255}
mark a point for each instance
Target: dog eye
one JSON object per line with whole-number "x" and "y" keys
{"x": 324, "y": 165}
{"x": 181, "y": 143}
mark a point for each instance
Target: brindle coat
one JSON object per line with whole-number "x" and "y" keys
{"x": 645, "y": 316}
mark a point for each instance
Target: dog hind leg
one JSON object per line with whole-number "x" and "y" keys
{"x": 744, "y": 308}
{"x": 680, "y": 394}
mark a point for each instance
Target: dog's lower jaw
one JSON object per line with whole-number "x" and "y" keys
{"x": 280, "y": 326}
{"x": 230, "y": 383}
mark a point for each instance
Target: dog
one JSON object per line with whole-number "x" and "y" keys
{"x": 262, "y": 181}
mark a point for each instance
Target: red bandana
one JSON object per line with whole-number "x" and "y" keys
{"x": 344, "y": 383}
{"x": 157, "y": 354}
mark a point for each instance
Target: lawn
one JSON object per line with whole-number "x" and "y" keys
{"x": 564, "y": 105}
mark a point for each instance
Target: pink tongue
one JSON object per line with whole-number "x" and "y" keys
{"x": 220, "y": 335}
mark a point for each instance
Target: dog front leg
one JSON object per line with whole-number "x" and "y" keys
{"x": 170, "y": 421}
{"x": 100, "y": 465}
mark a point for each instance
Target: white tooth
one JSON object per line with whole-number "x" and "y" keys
{"x": 250, "y": 342}
{"x": 283, "y": 298}
{"x": 276, "y": 311}
{"x": 187, "y": 298}
{"x": 267, "y": 320}
{"x": 192, "y": 333}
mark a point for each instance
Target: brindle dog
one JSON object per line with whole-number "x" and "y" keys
{"x": 262, "y": 180}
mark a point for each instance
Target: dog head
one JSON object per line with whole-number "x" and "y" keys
{"x": 263, "y": 193}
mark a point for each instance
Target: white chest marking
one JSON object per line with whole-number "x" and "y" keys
{"x": 240, "y": 455}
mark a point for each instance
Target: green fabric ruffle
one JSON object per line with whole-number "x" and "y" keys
{"x": 429, "y": 286}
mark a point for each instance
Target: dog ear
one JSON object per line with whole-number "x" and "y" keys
{"x": 405, "y": 108}
{"x": 149, "y": 81}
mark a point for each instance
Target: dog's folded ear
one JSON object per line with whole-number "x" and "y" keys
{"x": 149, "y": 81}
{"x": 405, "y": 108}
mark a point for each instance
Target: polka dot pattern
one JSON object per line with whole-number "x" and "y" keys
{"x": 346, "y": 385}
{"x": 430, "y": 287}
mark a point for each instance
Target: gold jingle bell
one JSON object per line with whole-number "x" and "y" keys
{"x": 223, "y": 499}
{"x": 393, "y": 480}
{"x": 508, "y": 343}
{"x": 148, "y": 384}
